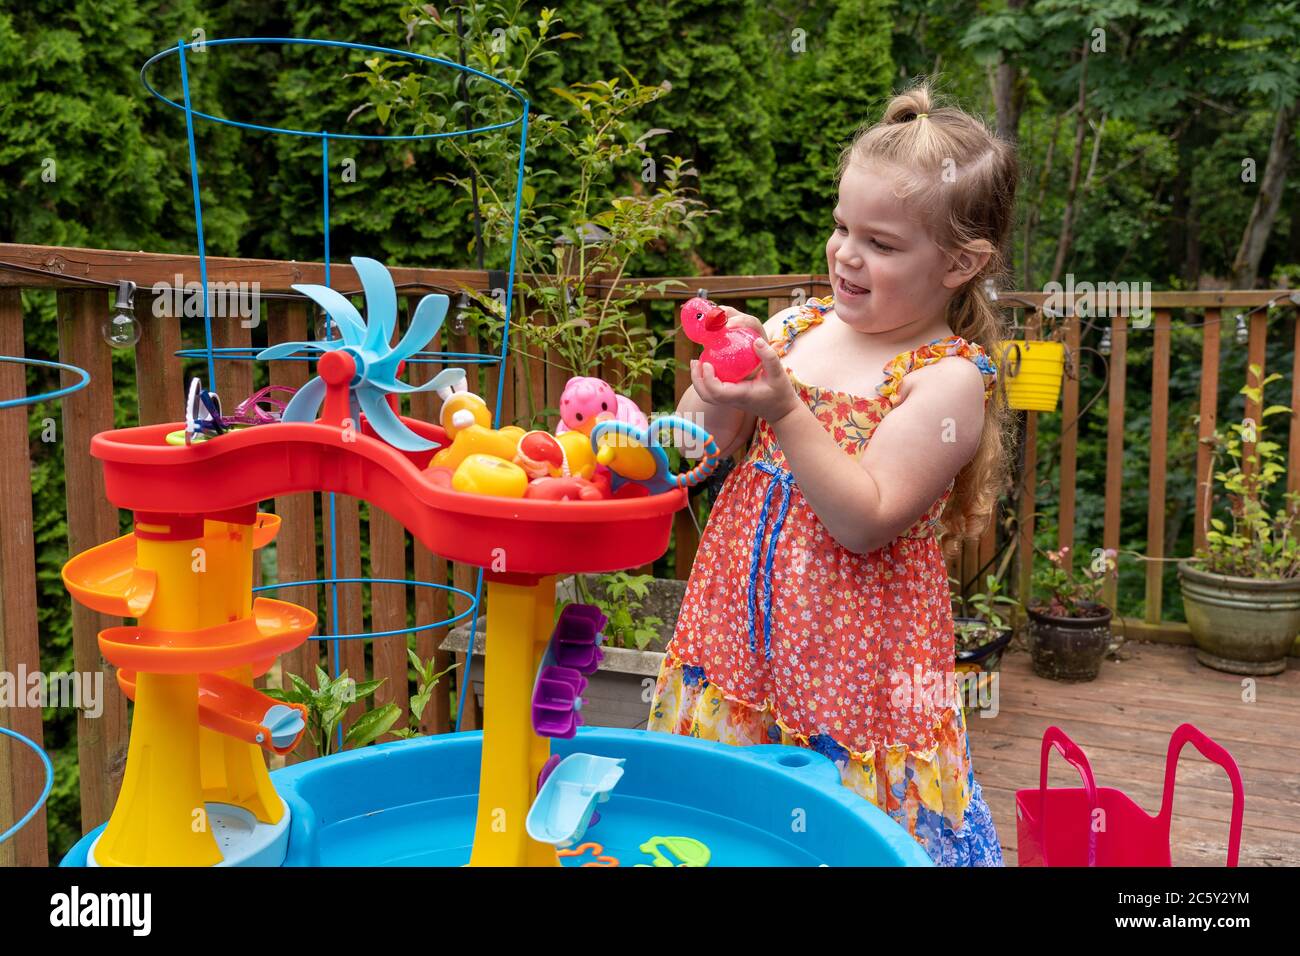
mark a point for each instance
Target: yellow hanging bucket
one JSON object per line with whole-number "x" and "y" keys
{"x": 1032, "y": 373}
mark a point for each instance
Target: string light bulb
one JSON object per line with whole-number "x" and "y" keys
{"x": 326, "y": 328}
{"x": 458, "y": 321}
{"x": 121, "y": 329}
{"x": 1242, "y": 334}
{"x": 1104, "y": 345}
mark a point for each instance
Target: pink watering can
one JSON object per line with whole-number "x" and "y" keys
{"x": 729, "y": 351}
{"x": 586, "y": 401}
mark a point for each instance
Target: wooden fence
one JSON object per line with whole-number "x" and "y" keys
{"x": 531, "y": 382}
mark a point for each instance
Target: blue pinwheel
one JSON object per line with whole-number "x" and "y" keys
{"x": 369, "y": 343}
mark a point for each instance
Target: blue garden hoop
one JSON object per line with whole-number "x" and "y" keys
{"x": 186, "y": 106}
{"x": 57, "y": 393}
{"x": 45, "y": 792}
{"x": 369, "y": 634}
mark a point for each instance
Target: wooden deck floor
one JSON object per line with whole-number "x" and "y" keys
{"x": 1123, "y": 722}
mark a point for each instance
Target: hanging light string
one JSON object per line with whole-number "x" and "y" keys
{"x": 790, "y": 285}
{"x": 167, "y": 289}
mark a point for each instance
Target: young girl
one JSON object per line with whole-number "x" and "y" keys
{"x": 818, "y": 610}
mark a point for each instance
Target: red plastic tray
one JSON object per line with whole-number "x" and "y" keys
{"x": 516, "y": 539}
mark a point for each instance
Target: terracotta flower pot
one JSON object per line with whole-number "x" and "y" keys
{"x": 1240, "y": 625}
{"x": 1069, "y": 648}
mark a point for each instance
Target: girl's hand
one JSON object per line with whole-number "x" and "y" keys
{"x": 768, "y": 393}
{"x": 741, "y": 320}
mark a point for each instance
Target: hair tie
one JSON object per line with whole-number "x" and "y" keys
{"x": 922, "y": 115}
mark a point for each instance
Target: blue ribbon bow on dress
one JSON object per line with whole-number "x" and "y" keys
{"x": 759, "y": 563}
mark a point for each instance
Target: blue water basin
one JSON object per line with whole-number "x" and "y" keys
{"x": 413, "y": 803}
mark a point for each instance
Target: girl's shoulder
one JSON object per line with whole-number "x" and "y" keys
{"x": 929, "y": 354}
{"x": 797, "y": 319}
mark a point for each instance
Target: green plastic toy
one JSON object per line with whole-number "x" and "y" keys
{"x": 688, "y": 851}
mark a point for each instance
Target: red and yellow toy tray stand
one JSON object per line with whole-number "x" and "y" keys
{"x": 204, "y": 496}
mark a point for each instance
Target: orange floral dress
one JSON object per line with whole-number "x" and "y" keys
{"x": 785, "y": 636}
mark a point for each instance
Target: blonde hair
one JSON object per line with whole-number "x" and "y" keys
{"x": 952, "y": 165}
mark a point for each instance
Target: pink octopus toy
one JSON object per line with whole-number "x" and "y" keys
{"x": 586, "y": 401}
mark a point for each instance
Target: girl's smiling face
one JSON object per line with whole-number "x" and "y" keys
{"x": 886, "y": 272}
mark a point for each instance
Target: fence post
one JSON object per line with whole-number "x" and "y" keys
{"x": 1069, "y": 435}
{"x": 20, "y": 780}
{"x": 159, "y": 376}
{"x": 1028, "y": 489}
{"x": 1115, "y": 446}
{"x": 1155, "y": 570}
{"x": 92, "y": 520}
{"x": 1211, "y": 334}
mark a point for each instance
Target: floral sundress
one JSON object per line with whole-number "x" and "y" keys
{"x": 785, "y": 636}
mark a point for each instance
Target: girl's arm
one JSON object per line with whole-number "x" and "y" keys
{"x": 915, "y": 451}
{"x": 730, "y": 426}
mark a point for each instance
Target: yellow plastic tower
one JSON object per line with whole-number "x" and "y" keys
{"x": 189, "y": 664}
{"x": 520, "y": 619}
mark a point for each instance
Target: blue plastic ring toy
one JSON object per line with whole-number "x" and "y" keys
{"x": 649, "y": 439}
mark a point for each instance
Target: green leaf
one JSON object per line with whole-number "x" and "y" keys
{"x": 305, "y": 692}
{"x": 371, "y": 725}
{"x": 368, "y": 687}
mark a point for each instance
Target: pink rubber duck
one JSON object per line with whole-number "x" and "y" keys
{"x": 586, "y": 401}
{"x": 729, "y": 351}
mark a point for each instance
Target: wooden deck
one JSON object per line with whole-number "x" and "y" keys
{"x": 1123, "y": 722}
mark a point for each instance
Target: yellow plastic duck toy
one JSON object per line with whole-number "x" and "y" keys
{"x": 462, "y": 408}
{"x": 478, "y": 440}
{"x": 490, "y": 475}
{"x": 578, "y": 453}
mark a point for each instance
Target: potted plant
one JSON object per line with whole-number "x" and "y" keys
{"x": 1069, "y": 628}
{"x": 642, "y": 612}
{"x": 1241, "y": 592}
{"x": 981, "y": 632}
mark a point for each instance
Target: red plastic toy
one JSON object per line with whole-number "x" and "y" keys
{"x": 729, "y": 351}
{"x": 569, "y": 488}
{"x": 1054, "y": 825}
